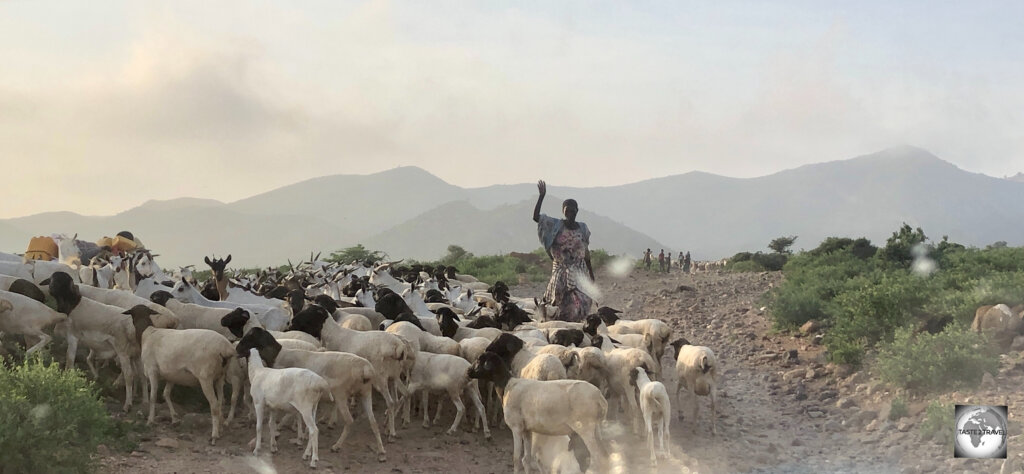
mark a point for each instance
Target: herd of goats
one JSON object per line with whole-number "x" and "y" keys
{"x": 337, "y": 333}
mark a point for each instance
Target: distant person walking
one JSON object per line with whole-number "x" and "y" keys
{"x": 679, "y": 261}
{"x": 668, "y": 262}
{"x": 661, "y": 260}
{"x": 686, "y": 263}
{"x": 567, "y": 243}
{"x": 647, "y": 259}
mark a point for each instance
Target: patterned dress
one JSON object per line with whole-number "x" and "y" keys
{"x": 568, "y": 252}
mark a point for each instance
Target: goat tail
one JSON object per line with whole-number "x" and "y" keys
{"x": 400, "y": 352}
{"x": 705, "y": 364}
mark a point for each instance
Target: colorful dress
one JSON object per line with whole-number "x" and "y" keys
{"x": 568, "y": 251}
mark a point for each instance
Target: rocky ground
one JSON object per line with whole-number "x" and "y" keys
{"x": 782, "y": 407}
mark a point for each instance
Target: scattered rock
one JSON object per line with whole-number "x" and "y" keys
{"x": 817, "y": 340}
{"x": 904, "y": 426}
{"x": 833, "y": 427}
{"x": 810, "y": 327}
{"x": 169, "y": 443}
{"x": 845, "y": 403}
{"x": 795, "y": 374}
{"x": 796, "y": 442}
{"x": 1018, "y": 344}
{"x": 792, "y": 355}
{"x": 811, "y": 374}
{"x": 873, "y": 425}
{"x": 815, "y": 414}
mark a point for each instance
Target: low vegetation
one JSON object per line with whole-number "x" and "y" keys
{"x": 52, "y": 420}
{"x": 909, "y": 301}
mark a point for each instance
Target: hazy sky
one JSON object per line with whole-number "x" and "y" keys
{"x": 104, "y": 105}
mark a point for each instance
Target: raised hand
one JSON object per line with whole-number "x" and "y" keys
{"x": 542, "y": 187}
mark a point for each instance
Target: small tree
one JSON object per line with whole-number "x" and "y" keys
{"x": 898, "y": 247}
{"x": 455, "y": 253}
{"x": 358, "y": 253}
{"x": 782, "y": 244}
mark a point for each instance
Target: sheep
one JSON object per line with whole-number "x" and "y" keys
{"x": 528, "y": 362}
{"x": 274, "y": 318}
{"x": 102, "y": 328}
{"x": 466, "y": 332}
{"x": 553, "y": 408}
{"x": 298, "y": 345}
{"x": 448, "y": 373}
{"x": 660, "y": 331}
{"x": 471, "y": 348}
{"x": 386, "y": 352}
{"x": 280, "y": 389}
{"x": 347, "y": 376}
{"x": 424, "y": 341}
{"x": 567, "y": 337}
{"x": 164, "y": 319}
{"x": 230, "y": 323}
{"x": 589, "y": 364}
{"x": 553, "y": 454}
{"x": 448, "y": 322}
{"x": 620, "y": 363}
{"x": 20, "y": 314}
{"x": 655, "y": 407}
{"x": 696, "y": 368}
{"x": 187, "y": 357}
{"x": 296, "y": 336}
{"x": 25, "y": 287}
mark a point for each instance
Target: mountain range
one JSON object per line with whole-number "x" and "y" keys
{"x": 410, "y": 213}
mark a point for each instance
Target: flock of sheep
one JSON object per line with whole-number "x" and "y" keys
{"x": 335, "y": 334}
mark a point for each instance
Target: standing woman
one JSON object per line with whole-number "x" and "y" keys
{"x": 567, "y": 243}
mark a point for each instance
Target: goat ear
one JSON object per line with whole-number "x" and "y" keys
{"x": 75, "y": 237}
{"x": 45, "y": 282}
{"x": 207, "y": 260}
{"x": 127, "y": 311}
{"x": 227, "y": 260}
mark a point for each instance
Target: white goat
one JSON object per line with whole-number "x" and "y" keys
{"x": 281, "y": 389}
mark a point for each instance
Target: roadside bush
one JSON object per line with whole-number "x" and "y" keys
{"x": 938, "y": 423}
{"x": 925, "y": 362}
{"x": 744, "y": 266}
{"x": 898, "y": 409}
{"x": 770, "y": 261}
{"x": 793, "y": 306}
{"x": 50, "y": 419}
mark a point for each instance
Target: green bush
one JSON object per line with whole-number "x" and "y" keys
{"x": 898, "y": 409}
{"x": 938, "y": 423}
{"x": 953, "y": 358}
{"x": 793, "y": 306}
{"x": 744, "y": 266}
{"x": 50, "y": 419}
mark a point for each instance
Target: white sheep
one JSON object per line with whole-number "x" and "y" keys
{"x": 655, "y": 407}
{"x": 164, "y": 319}
{"x": 424, "y": 341}
{"x": 25, "y": 316}
{"x": 448, "y": 373}
{"x": 553, "y": 408}
{"x": 620, "y": 363}
{"x": 102, "y": 328}
{"x": 230, "y": 323}
{"x": 553, "y": 454}
{"x": 281, "y": 389}
{"x": 186, "y": 357}
{"x": 347, "y": 376}
{"x": 696, "y": 368}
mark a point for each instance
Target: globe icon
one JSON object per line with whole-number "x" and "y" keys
{"x": 980, "y": 433}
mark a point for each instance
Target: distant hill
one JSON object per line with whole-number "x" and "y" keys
{"x": 1019, "y": 177}
{"x": 412, "y": 213}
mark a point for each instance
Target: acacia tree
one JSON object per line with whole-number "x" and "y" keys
{"x": 358, "y": 253}
{"x": 782, "y": 244}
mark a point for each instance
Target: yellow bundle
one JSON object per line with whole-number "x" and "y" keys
{"x": 41, "y": 248}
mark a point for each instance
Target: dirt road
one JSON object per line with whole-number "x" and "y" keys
{"x": 781, "y": 408}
